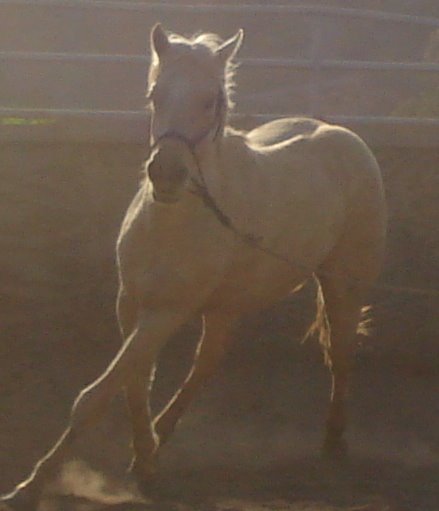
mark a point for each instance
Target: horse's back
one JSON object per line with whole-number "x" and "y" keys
{"x": 317, "y": 146}
{"x": 282, "y": 130}
{"x": 340, "y": 178}
{"x": 306, "y": 181}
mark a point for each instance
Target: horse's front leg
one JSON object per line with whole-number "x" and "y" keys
{"x": 145, "y": 440}
{"x": 212, "y": 347}
{"x": 137, "y": 395}
{"x": 138, "y": 351}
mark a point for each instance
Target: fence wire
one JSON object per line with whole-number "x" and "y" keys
{"x": 26, "y": 116}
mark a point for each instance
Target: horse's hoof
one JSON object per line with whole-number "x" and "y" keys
{"x": 335, "y": 449}
{"x": 148, "y": 485}
{"x": 145, "y": 474}
{"x": 149, "y": 488}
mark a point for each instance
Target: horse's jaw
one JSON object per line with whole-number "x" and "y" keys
{"x": 165, "y": 198}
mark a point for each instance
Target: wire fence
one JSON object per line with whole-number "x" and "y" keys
{"x": 250, "y": 8}
{"x": 316, "y": 66}
{"x": 24, "y": 123}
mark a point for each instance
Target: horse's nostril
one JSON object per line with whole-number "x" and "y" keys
{"x": 154, "y": 169}
{"x": 168, "y": 170}
{"x": 167, "y": 176}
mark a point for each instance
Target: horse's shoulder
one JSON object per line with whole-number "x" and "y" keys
{"x": 283, "y": 130}
{"x": 132, "y": 219}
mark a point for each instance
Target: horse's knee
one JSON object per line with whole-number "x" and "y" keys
{"x": 94, "y": 399}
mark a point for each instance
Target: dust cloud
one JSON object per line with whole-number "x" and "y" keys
{"x": 79, "y": 480}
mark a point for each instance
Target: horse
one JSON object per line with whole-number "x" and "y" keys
{"x": 225, "y": 223}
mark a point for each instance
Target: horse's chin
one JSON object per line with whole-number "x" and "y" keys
{"x": 166, "y": 197}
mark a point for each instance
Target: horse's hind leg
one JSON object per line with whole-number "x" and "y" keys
{"x": 339, "y": 303}
{"x": 344, "y": 280}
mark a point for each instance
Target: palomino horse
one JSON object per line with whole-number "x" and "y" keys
{"x": 225, "y": 223}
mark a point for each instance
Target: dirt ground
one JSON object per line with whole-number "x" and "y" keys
{"x": 251, "y": 440}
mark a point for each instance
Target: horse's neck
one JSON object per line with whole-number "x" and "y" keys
{"x": 220, "y": 162}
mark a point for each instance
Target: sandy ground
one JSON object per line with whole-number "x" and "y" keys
{"x": 250, "y": 442}
{"x": 244, "y": 448}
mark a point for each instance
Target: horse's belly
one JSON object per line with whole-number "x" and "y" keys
{"x": 260, "y": 275}
{"x": 255, "y": 286}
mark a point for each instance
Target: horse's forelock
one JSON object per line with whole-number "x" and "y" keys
{"x": 213, "y": 42}
{"x": 208, "y": 42}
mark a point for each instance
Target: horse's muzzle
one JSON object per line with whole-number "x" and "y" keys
{"x": 165, "y": 197}
{"x": 168, "y": 177}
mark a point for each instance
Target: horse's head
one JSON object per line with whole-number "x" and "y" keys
{"x": 188, "y": 90}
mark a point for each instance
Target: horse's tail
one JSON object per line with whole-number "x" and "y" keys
{"x": 321, "y": 327}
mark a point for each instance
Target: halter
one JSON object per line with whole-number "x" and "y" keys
{"x": 192, "y": 143}
{"x": 200, "y": 186}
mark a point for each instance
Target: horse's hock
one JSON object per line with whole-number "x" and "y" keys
{"x": 61, "y": 206}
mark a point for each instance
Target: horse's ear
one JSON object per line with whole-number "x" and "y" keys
{"x": 230, "y": 48}
{"x": 159, "y": 40}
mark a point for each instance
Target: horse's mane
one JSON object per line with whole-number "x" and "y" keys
{"x": 208, "y": 42}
